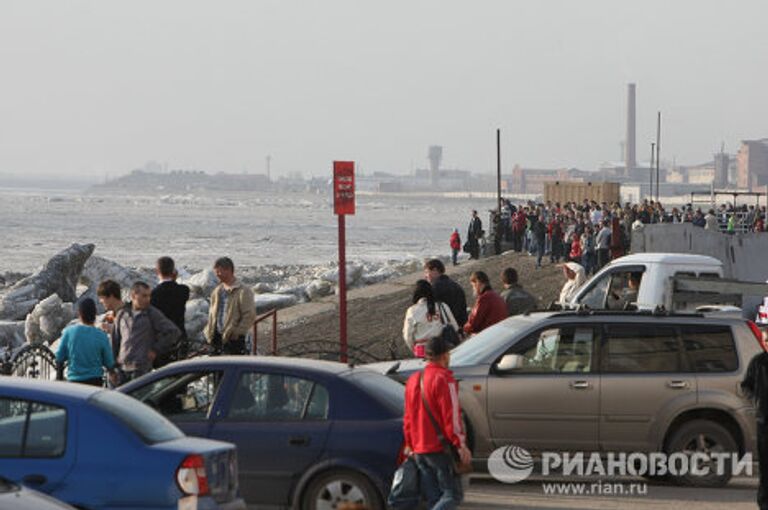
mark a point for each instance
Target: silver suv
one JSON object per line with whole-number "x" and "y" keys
{"x": 607, "y": 382}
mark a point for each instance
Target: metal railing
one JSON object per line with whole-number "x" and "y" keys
{"x": 260, "y": 318}
{"x": 36, "y": 361}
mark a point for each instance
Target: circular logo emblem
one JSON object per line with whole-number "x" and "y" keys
{"x": 510, "y": 464}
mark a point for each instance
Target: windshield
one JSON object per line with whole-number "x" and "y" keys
{"x": 482, "y": 347}
{"x": 148, "y": 424}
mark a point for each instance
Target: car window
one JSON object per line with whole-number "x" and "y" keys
{"x": 277, "y": 397}
{"x": 151, "y": 426}
{"x": 32, "y": 429}
{"x": 46, "y": 431}
{"x": 595, "y": 297}
{"x": 709, "y": 348}
{"x": 615, "y": 289}
{"x": 558, "y": 350}
{"x": 186, "y": 396}
{"x": 484, "y": 347}
{"x": 639, "y": 348}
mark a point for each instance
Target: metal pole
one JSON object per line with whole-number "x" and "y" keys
{"x": 342, "y": 290}
{"x": 658, "y": 152}
{"x": 650, "y": 190}
{"x": 255, "y": 336}
{"x": 274, "y": 332}
{"x": 498, "y": 169}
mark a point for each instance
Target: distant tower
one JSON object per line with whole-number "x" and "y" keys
{"x": 269, "y": 167}
{"x": 630, "y": 159}
{"x": 722, "y": 162}
{"x": 435, "y": 158}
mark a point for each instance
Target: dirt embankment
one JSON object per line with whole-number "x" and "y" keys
{"x": 375, "y": 313}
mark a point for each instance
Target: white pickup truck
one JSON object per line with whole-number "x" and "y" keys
{"x": 674, "y": 281}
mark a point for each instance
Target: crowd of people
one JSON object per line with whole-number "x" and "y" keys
{"x": 439, "y": 302}
{"x": 148, "y": 331}
{"x": 591, "y": 233}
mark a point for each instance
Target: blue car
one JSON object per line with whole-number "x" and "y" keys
{"x": 310, "y": 434}
{"x": 97, "y": 449}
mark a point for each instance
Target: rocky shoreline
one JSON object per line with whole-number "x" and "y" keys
{"x": 35, "y": 308}
{"x": 375, "y": 313}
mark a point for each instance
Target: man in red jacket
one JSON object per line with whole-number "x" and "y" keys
{"x": 489, "y": 308}
{"x": 440, "y": 485}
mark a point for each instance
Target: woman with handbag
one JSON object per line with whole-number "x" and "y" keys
{"x": 425, "y": 318}
{"x": 434, "y": 430}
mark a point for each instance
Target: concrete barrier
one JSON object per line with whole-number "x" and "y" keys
{"x": 744, "y": 256}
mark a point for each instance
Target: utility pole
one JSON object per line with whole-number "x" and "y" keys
{"x": 650, "y": 170}
{"x": 658, "y": 152}
{"x": 498, "y": 169}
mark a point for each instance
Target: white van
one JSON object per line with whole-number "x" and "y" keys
{"x": 643, "y": 280}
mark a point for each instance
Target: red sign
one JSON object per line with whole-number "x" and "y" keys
{"x": 344, "y": 187}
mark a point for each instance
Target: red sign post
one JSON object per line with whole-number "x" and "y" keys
{"x": 343, "y": 204}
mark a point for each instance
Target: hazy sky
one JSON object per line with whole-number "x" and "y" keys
{"x": 89, "y": 87}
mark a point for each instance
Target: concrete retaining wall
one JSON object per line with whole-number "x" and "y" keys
{"x": 745, "y": 256}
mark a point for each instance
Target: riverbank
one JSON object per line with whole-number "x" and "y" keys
{"x": 375, "y": 313}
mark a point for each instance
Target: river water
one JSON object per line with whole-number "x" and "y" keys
{"x": 254, "y": 229}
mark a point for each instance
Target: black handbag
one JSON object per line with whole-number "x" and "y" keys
{"x": 449, "y": 449}
{"x": 450, "y": 336}
{"x": 405, "y": 493}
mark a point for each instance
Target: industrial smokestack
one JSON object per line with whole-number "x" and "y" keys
{"x": 630, "y": 159}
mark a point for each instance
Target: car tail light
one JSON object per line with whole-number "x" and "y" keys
{"x": 401, "y": 456}
{"x": 191, "y": 476}
{"x": 758, "y": 335}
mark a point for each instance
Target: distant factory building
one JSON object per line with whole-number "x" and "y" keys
{"x": 752, "y": 164}
{"x": 530, "y": 181}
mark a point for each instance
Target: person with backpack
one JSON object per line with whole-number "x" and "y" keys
{"x": 425, "y": 318}
{"x": 433, "y": 428}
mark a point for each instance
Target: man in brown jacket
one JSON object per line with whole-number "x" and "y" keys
{"x": 232, "y": 311}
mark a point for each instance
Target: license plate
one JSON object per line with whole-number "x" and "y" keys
{"x": 188, "y": 503}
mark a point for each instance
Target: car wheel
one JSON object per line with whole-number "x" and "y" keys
{"x": 329, "y": 490}
{"x": 703, "y": 436}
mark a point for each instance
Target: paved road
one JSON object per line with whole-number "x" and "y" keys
{"x": 487, "y": 494}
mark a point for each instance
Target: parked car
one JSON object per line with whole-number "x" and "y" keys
{"x": 310, "y": 434}
{"x": 98, "y": 449}
{"x": 606, "y": 382}
{"x": 15, "y": 497}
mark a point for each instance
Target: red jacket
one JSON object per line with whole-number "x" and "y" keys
{"x": 455, "y": 241}
{"x": 575, "y": 249}
{"x": 489, "y": 309}
{"x": 442, "y": 392}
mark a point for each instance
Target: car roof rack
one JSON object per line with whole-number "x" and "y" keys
{"x": 658, "y": 312}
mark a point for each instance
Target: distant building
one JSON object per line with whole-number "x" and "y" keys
{"x": 752, "y": 164}
{"x": 530, "y": 181}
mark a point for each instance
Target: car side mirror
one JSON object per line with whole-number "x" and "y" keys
{"x": 509, "y": 363}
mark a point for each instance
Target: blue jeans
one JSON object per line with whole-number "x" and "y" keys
{"x": 440, "y": 486}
